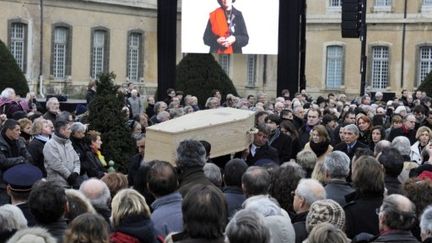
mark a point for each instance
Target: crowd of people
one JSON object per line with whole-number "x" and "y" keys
{"x": 329, "y": 169}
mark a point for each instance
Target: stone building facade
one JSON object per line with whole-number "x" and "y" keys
{"x": 399, "y": 47}
{"x": 80, "y": 38}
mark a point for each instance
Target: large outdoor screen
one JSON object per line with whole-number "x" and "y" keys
{"x": 230, "y": 26}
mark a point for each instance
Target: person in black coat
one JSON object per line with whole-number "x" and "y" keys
{"x": 136, "y": 160}
{"x": 42, "y": 130}
{"x": 48, "y": 204}
{"x": 260, "y": 149}
{"x": 131, "y": 218}
{"x": 278, "y": 139}
{"x": 91, "y": 92}
{"x": 226, "y": 31}
{"x": 360, "y": 212}
{"x": 95, "y": 165}
{"x": 407, "y": 129}
{"x": 13, "y": 151}
{"x": 350, "y": 143}
{"x": 393, "y": 163}
{"x": 79, "y": 143}
{"x": 397, "y": 217}
{"x": 20, "y": 180}
{"x": 349, "y": 117}
{"x": 337, "y": 167}
{"x": 191, "y": 158}
{"x": 233, "y": 193}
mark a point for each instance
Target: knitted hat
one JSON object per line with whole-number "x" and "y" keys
{"x": 399, "y": 109}
{"x": 326, "y": 210}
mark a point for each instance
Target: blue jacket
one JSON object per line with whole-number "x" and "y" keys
{"x": 234, "y": 197}
{"x": 167, "y": 214}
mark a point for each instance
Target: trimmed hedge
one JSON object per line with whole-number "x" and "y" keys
{"x": 10, "y": 74}
{"x": 199, "y": 74}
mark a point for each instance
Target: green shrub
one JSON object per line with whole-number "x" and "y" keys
{"x": 106, "y": 117}
{"x": 199, "y": 74}
{"x": 10, "y": 73}
{"x": 426, "y": 85}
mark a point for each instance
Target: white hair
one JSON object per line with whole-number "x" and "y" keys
{"x": 11, "y": 218}
{"x": 402, "y": 144}
{"x": 337, "y": 164}
{"x": 426, "y": 220}
{"x": 50, "y": 101}
{"x": 311, "y": 190}
{"x": 8, "y": 93}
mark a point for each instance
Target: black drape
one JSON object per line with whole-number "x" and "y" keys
{"x": 292, "y": 46}
{"x": 166, "y": 43}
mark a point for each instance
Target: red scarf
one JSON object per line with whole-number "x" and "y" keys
{"x": 220, "y": 28}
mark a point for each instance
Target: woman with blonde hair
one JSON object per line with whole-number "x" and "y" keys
{"x": 423, "y": 136}
{"x": 41, "y": 130}
{"x": 26, "y": 129}
{"x": 87, "y": 228}
{"x": 130, "y": 218}
{"x": 319, "y": 143}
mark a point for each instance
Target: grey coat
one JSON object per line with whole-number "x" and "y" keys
{"x": 61, "y": 160}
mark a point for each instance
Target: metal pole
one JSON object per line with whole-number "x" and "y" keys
{"x": 41, "y": 49}
{"x": 403, "y": 46}
{"x": 363, "y": 37}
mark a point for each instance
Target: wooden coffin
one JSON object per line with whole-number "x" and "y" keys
{"x": 226, "y": 129}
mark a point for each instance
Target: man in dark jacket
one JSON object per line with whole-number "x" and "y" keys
{"x": 393, "y": 163}
{"x": 350, "y": 144}
{"x": 278, "y": 139}
{"x": 396, "y": 218}
{"x": 12, "y": 152}
{"x": 233, "y": 193}
{"x": 260, "y": 149}
{"x": 337, "y": 167}
{"x": 137, "y": 160}
{"x": 99, "y": 195}
{"x": 20, "y": 180}
{"x": 48, "y": 204}
{"x": 167, "y": 216}
{"x": 190, "y": 160}
{"x": 407, "y": 129}
{"x": 307, "y": 192}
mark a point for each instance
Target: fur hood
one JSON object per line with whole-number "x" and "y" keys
{"x": 34, "y": 235}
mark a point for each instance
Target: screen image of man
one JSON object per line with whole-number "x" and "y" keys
{"x": 226, "y": 31}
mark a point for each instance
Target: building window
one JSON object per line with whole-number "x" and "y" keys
{"x": 60, "y": 52}
{"x": 134, "y": 56}
{"x": 251, "y": 70}
{"x": 426, "y": 6}
{"x": 99, "y": 51}
{"x": 383, "y": 3}
{"x": 425, "y": 62}
{"x": 380, "y": 67}
{"x": 334, "y": 69}
{"x": 17, "y": 43}
{"x": 224, "y": 62}
{"x": 335, "y": 3}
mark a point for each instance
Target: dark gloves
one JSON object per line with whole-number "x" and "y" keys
{"x": 72, "y": 178}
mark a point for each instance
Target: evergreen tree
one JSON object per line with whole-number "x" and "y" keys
{"x": 199, "y": 74}
{"x": 426, "y": 85}
{"x": 105, "y": 116}
{"x": 10, "y": 73}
